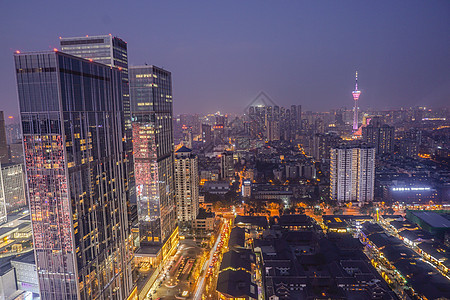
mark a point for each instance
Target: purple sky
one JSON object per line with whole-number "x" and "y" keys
{"x": 223, "y": 53}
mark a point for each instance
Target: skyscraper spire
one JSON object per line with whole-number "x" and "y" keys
{"x": 356, "y": 95}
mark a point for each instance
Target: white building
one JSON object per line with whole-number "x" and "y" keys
{"x": 246, "y": 188}
{"x": 186, "y": 185}
{"x": 352, "y": 173}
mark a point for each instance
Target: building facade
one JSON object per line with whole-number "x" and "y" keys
{"x": 186, "y": 186}
{"x": 12, "y": 184}
{"x": 3, "y": 212}
{"x": 4, "y": 155}
{"x": 73, "y": 125}
{"x": 151, "y": 106}
{"x": 227, "y": 166}
{"x": 111, "y": 51}
{"x": 379, "y": 135}
{"x": 352, "y": 173}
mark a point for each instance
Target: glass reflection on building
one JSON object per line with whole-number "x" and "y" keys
{"x": 72, "y": 120}
{"x": 151, "y": 107}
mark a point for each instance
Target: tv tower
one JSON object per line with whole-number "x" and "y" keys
{"x": 356, "y": 95}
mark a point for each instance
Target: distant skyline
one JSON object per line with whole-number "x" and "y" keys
{"x": 222, "y": 54}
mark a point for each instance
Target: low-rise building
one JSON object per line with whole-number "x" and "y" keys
{"x": 204, "y": 221}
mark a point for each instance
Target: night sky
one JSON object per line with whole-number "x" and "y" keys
{"x": 223, "y": 53}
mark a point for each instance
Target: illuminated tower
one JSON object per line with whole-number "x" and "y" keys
{"x": 356, "y": 95}
{"x": 151, "y": 108}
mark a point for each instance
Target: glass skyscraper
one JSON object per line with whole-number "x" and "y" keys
{"x": 111, "y": 51}
{"x": 151, "y": 107}
{"x": 72, "y": 119}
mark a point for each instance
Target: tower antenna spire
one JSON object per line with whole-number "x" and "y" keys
{"x": 356, "y": 93}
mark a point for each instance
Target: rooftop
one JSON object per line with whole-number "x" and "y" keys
{"x": 183, "y": 149}
{"x": 236, "y": 284}
{"x": 259, "y": 221}
{"x": 432, "y": 218}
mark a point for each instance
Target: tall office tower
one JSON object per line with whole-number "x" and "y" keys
{"x": 72, "y": 120}
{"x": 151, "y": 107}
{"x": 352, "y": 173}
{"x": 12, "y": 183}
{"x": 4, "y": 153}
{"x": 111, "y": 51}
{"x": 186, "y": 186}
{"x": 356, "y": 93}
{"x": 227, "y": 166}
{"x": 381, "y": 136}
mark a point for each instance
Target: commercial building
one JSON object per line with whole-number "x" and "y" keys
{"x": 3, "y": 213}
{"x": 12, "y": 185}
{"x": 352, "y": 173}
{"x": 437, "y": 224}
{"x": 151, "y": 107}
{"x": 4, "y": 155}
{"x": 72, "y": 119}
{"x": 111, "y": 51}
{"x": 186, "y": 186}
{"x": 18, "y": 277}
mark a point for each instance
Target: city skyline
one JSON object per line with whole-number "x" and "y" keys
{"x": 398, "y": 52}
{"x": 189, "y": 150}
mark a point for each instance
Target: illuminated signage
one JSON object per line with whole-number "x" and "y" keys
{"x": 413, "y": 189}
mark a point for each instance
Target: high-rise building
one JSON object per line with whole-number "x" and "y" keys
{"x": 322, "y": 144}
{"x": 73, "y": 125}
{"x": 227, "y": 166}
{"x": 295, "y": 120}
{"x": 186, "y": 186}
{"x": 12, "y": 184}
{"x": 16, "y": 153}
{"x": 272, "y": 130}
{"x": 352, "y": 173}
{"x": 379, "y": 135}
{"x": 4, "y": 155}
{"x": 111, "y": 51}
{"x": 151, "y": 106}
{"x": 206, "y": 134}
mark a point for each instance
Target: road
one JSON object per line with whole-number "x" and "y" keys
{"x": 201, "y": 282}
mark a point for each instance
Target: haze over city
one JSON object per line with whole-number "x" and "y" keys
{"x": 223, "y": 54}
{"x": 238, "y": 150}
